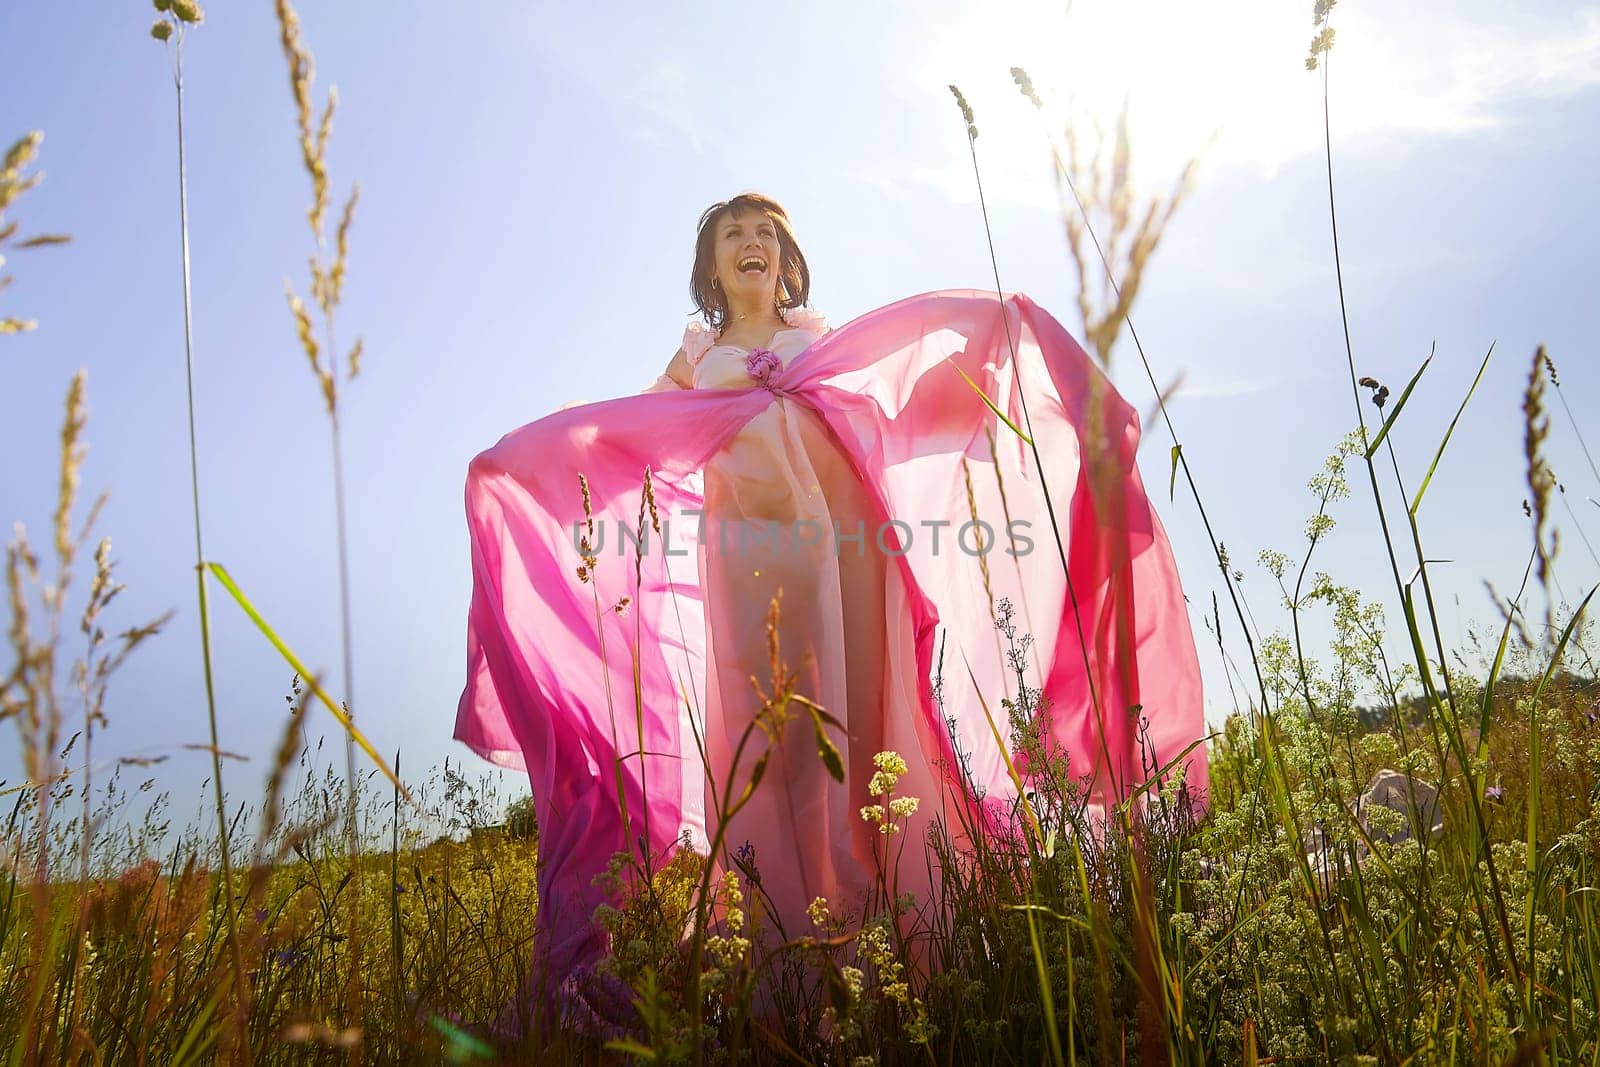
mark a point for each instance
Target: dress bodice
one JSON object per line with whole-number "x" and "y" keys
{"x": 721, "y": 366}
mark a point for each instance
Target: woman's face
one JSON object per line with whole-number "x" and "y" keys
{"x": 750, "y": 242}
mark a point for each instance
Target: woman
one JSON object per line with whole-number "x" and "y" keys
{"x": 858, "y": 477}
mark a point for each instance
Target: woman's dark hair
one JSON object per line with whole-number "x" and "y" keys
{"x": 794, "y": 277}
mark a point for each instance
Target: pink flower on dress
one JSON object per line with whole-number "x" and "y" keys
{"x": 762, "y": 363}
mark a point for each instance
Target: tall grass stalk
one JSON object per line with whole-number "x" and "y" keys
{"x": 1067, "y": 173}
{"x": 28, "y": 691}
{"x": 1102, "y": 329}
{"x": 327, "y": 283}
{"x": 170, "y": 28}
{"x": 1572, "y": 421}
{"x": 1041, "y": 970}
{"x": 1104, "y": 480}
{"x": 30, "y": 694}
{"x": 1449, "y": 715}
{"x": 13, "y": 183}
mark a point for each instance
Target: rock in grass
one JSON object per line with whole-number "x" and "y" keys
{"x": 1416, "y": 801}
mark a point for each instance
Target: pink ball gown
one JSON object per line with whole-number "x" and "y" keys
{"x": 831, "y": 467}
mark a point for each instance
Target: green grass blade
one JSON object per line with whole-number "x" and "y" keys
{"x": 985, "y": 396}
{"x": 1416, "y": 502}
{"x": 1535, "y": 757}
{"x": 1535, "y": 748}
{"x": 1145, "y": 786}
{"x": 1005, "y": 754}
{"x": 198, "y": 1038}
{"x": 1372, "y": 449}
{"x": 1486, "y": 712}
{"x": 460, "y": 1046}
{"x": 221, "y": 574}
{"x": 1046, "y": 994}
{"x": 826, "y": 748}
{"x": 630, "y": 1047}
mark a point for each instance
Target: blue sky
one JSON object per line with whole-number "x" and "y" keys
{"x": 530, "y": 183}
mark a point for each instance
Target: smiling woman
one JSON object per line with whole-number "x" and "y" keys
{"x": 823, "y": 504}
{"x": 749, "y": 242}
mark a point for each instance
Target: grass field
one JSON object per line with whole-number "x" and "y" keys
{"x": 352, "y": 912}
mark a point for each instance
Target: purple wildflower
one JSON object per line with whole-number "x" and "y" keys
{"x": 1495, "y": 792}
{"x": 746, "y": 855}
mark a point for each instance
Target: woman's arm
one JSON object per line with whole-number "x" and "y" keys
{"x": 679, "y": 375}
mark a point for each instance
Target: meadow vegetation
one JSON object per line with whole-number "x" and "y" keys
{"x": 1276, "y": 917}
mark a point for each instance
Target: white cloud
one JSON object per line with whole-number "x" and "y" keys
{"x": 624, "y": 68}
{"x": 1236, "y": 71}
{"x": 667, "y": 91}
{"x": 1205, "y": 387}
{"x": 901, "y": 179}
{"x": 1399, "y": 70}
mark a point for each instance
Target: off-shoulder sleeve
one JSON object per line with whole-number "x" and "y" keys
{"x": 807, "y": 319}
{"x": 697, "y": 340}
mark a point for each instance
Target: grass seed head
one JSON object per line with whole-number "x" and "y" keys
{"x": 966, "y": 113}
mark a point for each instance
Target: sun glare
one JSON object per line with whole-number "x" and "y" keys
{"x": 1192, "y": 76}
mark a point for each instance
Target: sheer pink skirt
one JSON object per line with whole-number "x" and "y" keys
{"x": 788, "y": 518}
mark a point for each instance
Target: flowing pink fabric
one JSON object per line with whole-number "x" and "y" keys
{"x": 864, "y": 427}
